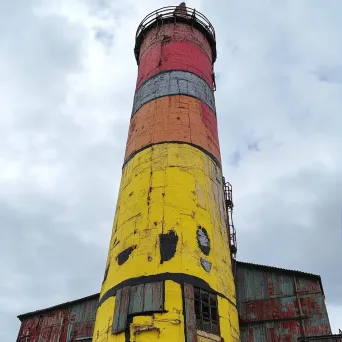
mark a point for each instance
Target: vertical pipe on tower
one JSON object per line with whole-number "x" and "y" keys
{"x": 168, "y": 275}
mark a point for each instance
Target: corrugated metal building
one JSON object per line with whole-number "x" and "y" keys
{"x": 274, "y": 305}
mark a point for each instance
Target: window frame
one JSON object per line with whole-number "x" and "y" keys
{"x": 205, "y": 320}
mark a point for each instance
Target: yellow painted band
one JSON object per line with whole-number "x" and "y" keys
{"x": 170, "y": 187}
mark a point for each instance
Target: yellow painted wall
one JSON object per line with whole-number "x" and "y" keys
{"x": 164, "y": 327}
{"x": 169, "y": 187}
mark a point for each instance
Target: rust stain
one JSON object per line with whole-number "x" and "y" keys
{"x": 138, "y": 329}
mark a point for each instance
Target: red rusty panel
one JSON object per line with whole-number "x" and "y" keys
{"x": 51, "y": 327}
{"x": 254, "y": 284}
{"x": 175, "y": 55}
{"x": 271, "y": 332}
{"x": 317, "y": 325}
{"x": 282, "y": 308}
{"x": 308, "y": 285}
{"x": 281, "y": 330}
{"x": 269, "y": 309}
{"x": 82, "y": 319}
{"x": 175, "y": 32}
{"x": 279, "y": 305}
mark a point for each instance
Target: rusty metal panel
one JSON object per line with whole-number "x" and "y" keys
{"x": 191, "y": 330}
{"x": 271, "y": 332}
{"x": 253, "y": 284}
{"x": 317, "y": 325}
{"x": 279, "y": 305}
{"x": 268, "y": 309}
{"x": 82, "y": 319}
{"x": 308, "y": 285}
{"x": 51, "y": 327}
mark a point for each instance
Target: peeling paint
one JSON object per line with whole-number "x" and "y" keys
{"x": 175, "y": 56}
{"x": 174, "y": 118}
{"x": 203, "y": 240}
{"x": 178, "y": 32}
{"x": 174, "y": 83}
{"x": 137, "y": 329}
{"x": 124, "y": 255}
{"x": 206, "y": 265}
{"x": 168, "y": 245}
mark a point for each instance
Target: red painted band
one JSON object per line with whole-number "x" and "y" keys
{"x": 177, "y": 32}
{"x": 175, "y": 55}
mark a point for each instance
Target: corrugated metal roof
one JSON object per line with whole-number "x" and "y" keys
{"x": 239, "y": 263}
{"x": 274, "y": 268}
{"x": 282, "y": 270}
{"x": 59, "y": 306}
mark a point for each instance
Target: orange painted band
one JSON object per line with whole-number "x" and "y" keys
{"x": 174, "y": 118}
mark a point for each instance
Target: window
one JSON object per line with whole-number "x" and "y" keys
{"x": 134, "y": 300}
{"x": 206, "y": 311}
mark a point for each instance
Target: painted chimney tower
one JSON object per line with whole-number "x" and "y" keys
{"x": 169, "y": 270}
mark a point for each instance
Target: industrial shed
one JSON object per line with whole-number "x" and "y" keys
{"x": 274, "y": 304}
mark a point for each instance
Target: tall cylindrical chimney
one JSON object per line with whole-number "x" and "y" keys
{"x": 168, "y": 275}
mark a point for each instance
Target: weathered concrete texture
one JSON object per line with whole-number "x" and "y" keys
{"x": 175, "y": 32}
{"x": 175, "y": 187}
{"x": 174, "y": 83}
{"x": 173, "y": 55}
{"x": 174, "y": 118}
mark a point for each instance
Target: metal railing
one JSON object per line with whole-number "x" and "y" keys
{"x": 176, "y": 13}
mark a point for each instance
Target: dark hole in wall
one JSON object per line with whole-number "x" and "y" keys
{"x": 168, "y": 245}
{"x": 203, "y": 240}
{"x": 124, "y": 255}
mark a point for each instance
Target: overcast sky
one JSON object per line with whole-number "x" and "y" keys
{"x": 67, "y": 79}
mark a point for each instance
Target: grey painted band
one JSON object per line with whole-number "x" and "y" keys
{"x": 173, "y": 83}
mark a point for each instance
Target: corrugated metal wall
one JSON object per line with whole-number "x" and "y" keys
{"x": 74, "y": 323}
{"x": 279, "y": 306}
{"x": 274, "y": 305}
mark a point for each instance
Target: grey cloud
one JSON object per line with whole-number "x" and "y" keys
{"x": 297, "y": 220}
{"x": 331, "y": 74}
